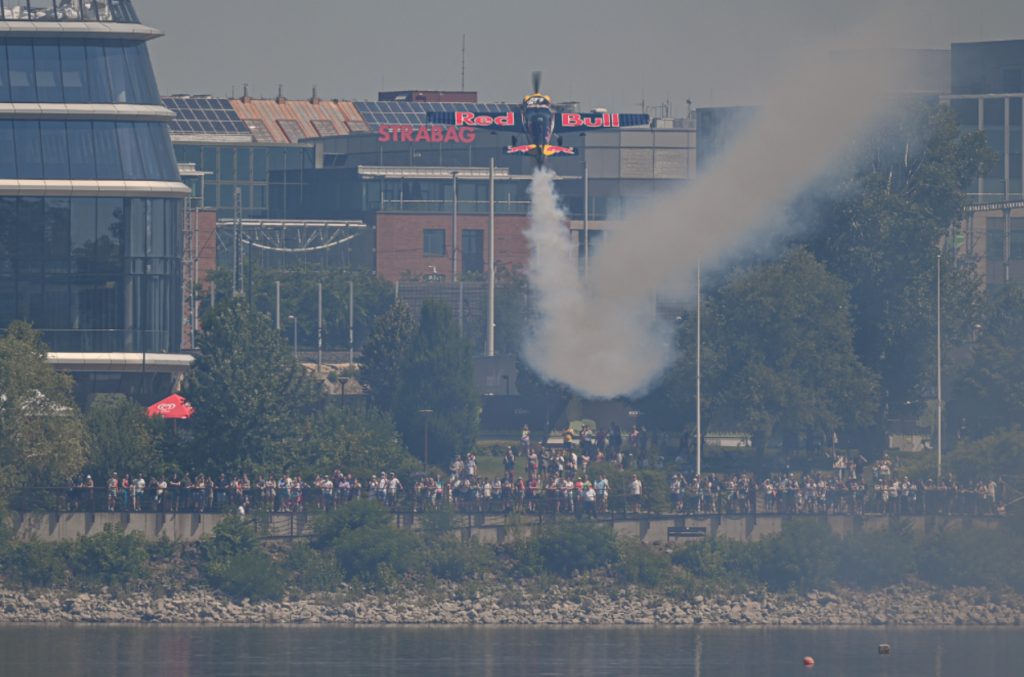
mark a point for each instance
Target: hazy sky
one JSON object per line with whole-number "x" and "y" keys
{"x": 599, "y": 52}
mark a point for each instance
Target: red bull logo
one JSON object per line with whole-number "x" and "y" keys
{"x": 578, "y": 120}
{"x": 425, "y": 133}
{"x": 474, "y": 120}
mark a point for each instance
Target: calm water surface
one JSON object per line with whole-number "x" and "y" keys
{"x": 498, "y": 652}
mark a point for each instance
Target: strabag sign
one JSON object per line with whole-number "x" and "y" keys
{"x": 427, "y": 133}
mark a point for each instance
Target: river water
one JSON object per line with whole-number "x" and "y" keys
{"x": 148, "y": 651}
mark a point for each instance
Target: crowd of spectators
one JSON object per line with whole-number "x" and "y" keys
{"x": 557, "y": 480}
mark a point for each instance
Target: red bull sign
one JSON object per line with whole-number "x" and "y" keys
{"x": 577, "y": 120}
{"x": 426, "y": 133}
{"x": 474, "y": 120}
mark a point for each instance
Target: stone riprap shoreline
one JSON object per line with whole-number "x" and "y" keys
{"x": 894, "y": 606}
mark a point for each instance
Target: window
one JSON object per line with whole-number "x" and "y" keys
{"x": 472, "y": 251}
{"x": 28, "y": 146}
{"x": 1012, "y": 82}
{"x": 324, "y": 127}
{"x": 48, "y": 77}
{"x": 291, "y": 130}
{"x": 433, "y": 242}
{"x": 120, "y": 86}
{"x": 22, "y": 70}
{"x": 74, "y": 71}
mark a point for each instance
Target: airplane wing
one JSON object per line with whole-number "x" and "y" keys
{"x": 581, "y": 122}
{"x": 510, "y": 121}
{"x": 533, "y": 149}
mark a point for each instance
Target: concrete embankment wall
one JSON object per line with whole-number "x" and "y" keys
{"x": 487, "y": 528}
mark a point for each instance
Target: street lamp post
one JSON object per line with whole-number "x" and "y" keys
{"x": 426, "y": 417}
{"x": 296, "y": 343}
{"x": 938, "y": 358}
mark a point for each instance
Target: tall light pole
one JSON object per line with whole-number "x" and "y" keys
{"x": 938, "y": 354}
{"x": 296, "y": 343}
{"x": 319, "y": 326}
{"x": 455, "y": 225}
{"x": 698, "y": 370}
{"x": 277, "y": 314}
{"x": 490, "y": 274}
{"x": 351, "y": 321}
{"x": 426, "y": 417}
{"x": 586, "y": 223}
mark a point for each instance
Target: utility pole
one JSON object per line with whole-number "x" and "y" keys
{"x": 237, "y": 253}
{"x": 455, "y": 226}
{"x": 698, "y": 370}
{"x": 319, "y": 326}
{"x": 938, "y": 353}
{"x": 278, "y": 312}
{"x": 351, "y": 321}
{"x": 490, "y": 263}
{"x": 586, "y": 224}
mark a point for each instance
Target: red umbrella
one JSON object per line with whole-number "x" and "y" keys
{"x": 174, "y": 406}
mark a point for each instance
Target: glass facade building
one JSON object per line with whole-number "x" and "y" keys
{"x": 90, "y": 195}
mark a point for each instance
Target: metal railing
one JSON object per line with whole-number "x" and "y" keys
{"x": 542, "y": 502}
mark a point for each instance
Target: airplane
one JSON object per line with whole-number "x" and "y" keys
{"x": 540, "y": 123}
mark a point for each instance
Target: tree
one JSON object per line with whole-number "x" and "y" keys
{"x": 999, "y": 454}
{"x": 124, "y": 438}
{"x": 511, "y": 310}
{"x": 43, "y": 437}
{"x": 252, "y": 399}
{"x": 781, "y": 339}
{"x": 989, "y": 394}
{"x": 437, "y": 374}
{"x": 373, "y": 296}
{"x": 381, "y": 363}
{"x": 362, "y": 443}
{"x": 879, "y": 231}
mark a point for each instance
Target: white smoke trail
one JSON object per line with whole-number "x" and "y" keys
{"x": 606, "y": 342}
{"x": 629, "y": 342}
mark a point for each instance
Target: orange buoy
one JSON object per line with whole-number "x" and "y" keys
{"x": 808, "y": 661}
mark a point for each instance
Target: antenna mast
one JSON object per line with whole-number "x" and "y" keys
{"x": 463, "y": 62}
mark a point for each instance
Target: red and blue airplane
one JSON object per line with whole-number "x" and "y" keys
{"x": 540, "y": 123}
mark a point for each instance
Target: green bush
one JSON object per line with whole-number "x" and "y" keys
{"x": 231, "y": 536}
{"x": 112, "y": 557}
{"x": 163, "y": 548}
{"x": 721, "y": 562}
{"x": 36, "y": 564}
{"x": 639, "y": 564}
{"x": 314, "y": 571}
{"x": 329, "y": 526}
{"x": 568, "y": 545}
{"x": 252, "y": 575}
{"x": 456, "y": 561}
{"x": 972, "y": 557}
{"x": 872, "y": 559}
{"x": 801, "y": 556}
{"x": 362, "y": 537}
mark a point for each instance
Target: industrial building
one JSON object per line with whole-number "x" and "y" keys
{"x": 371, "y": 185}
{"x": 987, "y": 94}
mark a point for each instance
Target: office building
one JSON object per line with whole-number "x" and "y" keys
{"x": 90, "y": 195}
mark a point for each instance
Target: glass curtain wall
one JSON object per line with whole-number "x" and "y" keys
{"x": 76, "y": 71}
{"x": 94, "y": 274}
{"x": 106, "y": 151}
